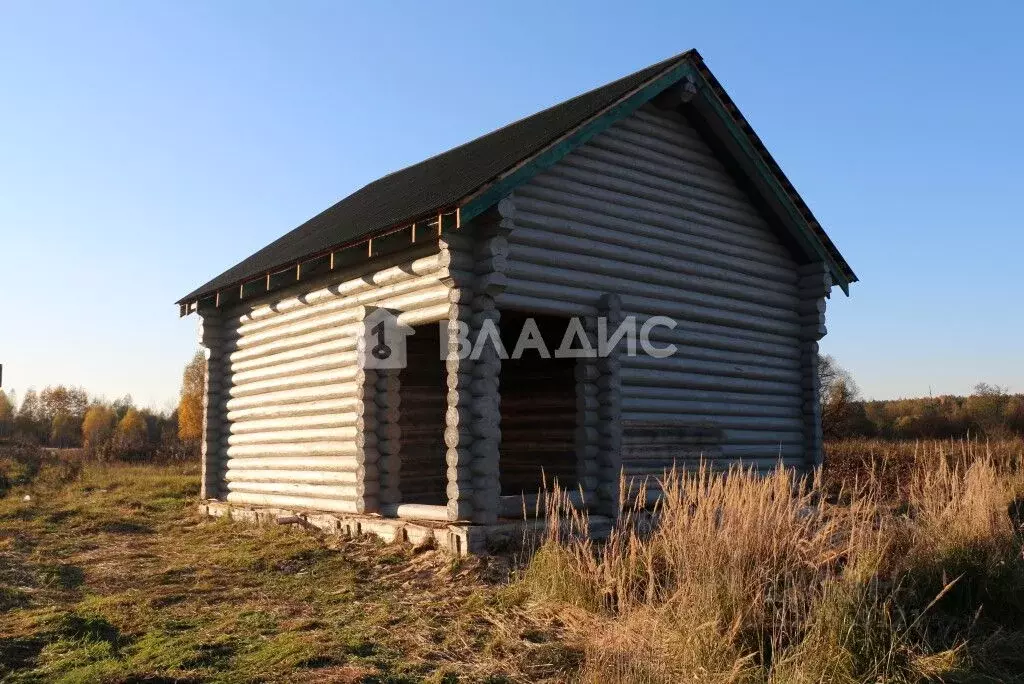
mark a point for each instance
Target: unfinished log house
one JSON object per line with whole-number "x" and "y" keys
{"x": 650, "y": 196}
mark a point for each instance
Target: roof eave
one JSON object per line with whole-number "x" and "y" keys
{"x": 384, "y": 242}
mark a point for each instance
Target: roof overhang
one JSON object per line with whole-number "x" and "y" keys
{"x": 687, "y": 80}
{"x": 339, "y": 259}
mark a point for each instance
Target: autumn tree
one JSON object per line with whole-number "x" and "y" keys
{"x": 6, "y": 415}
{"x": 190, "y": 407}
{"x": 987, "y": 408}
{"x": 98, "y": 428}
{"x": 64, "y": 430}
{"x": 70, "y": 401}
{"x": 130, "y": 433}
{"x": 28, "y": 420}
{"x": 61, "y": 410}
{"x": 1013, "y": 414}
{"x": 842, "y": 411}
{"x": 122, "y": 405}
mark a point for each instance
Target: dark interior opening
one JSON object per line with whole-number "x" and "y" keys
{"x": 424, "y": 390}
{"x": 538, "y": 410}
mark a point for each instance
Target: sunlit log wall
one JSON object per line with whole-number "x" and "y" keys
{"x": 647, "y": 213}
{"x": 473, "y": 417}
{"x": 641, "y": 221}
{"x": 292, "y": 418}
{"x": 214, "y": 461}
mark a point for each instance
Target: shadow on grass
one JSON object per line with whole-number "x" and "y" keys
{"x": 62, "y": 575}
{"x": 125, "y": 527}
{"x": 212, "y": 655}
{"x": 87, "y": 628}
{"x": 19, "y": 654}
{"x": 11, "y": 598}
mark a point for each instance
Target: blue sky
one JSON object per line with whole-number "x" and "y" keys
{"x": 147, "y": 146}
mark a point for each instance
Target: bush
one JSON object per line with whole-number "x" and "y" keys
{"x": 20, "y": 463}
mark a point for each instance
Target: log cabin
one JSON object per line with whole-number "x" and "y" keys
{"x": 648, "y": 197}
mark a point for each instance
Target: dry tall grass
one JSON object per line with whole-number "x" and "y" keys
{"x": 744, "y": 578}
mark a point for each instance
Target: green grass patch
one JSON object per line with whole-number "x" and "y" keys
{"x": 109, "y": 574}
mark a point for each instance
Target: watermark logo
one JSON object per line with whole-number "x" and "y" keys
{"x": 574, "y": 344}
{"x": 382, "y": 344}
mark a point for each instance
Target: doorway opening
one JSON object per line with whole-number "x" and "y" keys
{"x": 538, "y": 411}
{"x": 424, "y": 401}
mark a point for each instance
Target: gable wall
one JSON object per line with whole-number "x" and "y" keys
{"x": 646, "y": 211}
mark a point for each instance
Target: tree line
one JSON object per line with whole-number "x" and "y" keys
{"x": 69, "y": 417}
{"x": 989, "y": 411}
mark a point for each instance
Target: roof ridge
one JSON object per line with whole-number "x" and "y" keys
{"x": 664, "y": 64}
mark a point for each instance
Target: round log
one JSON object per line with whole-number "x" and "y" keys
{"x": 323, "y": 420}
{"x": 347, "y": 449}
{"x": 303, "y": 395}
{"x": 353, "y": 433}
{"x": 358, "y": 505}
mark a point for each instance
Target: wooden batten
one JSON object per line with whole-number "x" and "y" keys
{"x": 311, "y": 268}
{"x": 447, "y": 221}
{"x": 280, "y": 279}
{"x": 388, "y": 243}
{"x": 206, "y": 303}
{"x": 391, "y": 243}
{"x": 349, "y": 257}
{"x": 254, "y": 288}
{"x": 228, "y": 298}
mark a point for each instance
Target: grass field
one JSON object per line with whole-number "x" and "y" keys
{"x": 903, "y": 565}
{"x": 107, "y": 574}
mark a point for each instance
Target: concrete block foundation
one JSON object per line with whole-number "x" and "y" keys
{"x": 457, "y": 538}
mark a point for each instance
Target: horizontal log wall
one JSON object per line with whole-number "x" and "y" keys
{"x": 473, "y": 417}
{"x": 646, "y": 212}
{"x": 295, "y": 421}
{"x": 213, "y": 459}
{"x": 815, "y": 283}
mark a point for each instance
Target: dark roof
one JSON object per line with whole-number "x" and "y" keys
{"x": 441, "y": 182}
{"x": 424, "y": 188}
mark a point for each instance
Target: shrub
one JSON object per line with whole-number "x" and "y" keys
{"x": 20, "y": 463}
